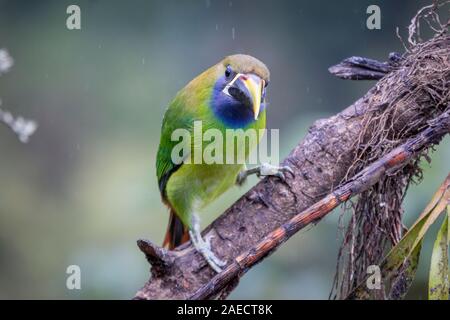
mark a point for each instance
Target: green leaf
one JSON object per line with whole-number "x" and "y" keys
{"x": 438, "y": 282}
{"x": 400, "y": 264}
{"x": 404, "y": 279}
{"x": 403, "y": 250}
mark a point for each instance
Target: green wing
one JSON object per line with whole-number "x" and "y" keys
{"x": 176, "y": 117}
{"x": 189, "y": 105}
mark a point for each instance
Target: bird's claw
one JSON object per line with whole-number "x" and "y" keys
{"x": 242, "y": 176}
{"x": 267, "y": 169}
{"x": 213, "y": 257}
{"x": 264, "y": 169}
{"x": 280, "y": 175}
{"x": 208, "y": 239}
{"x": 204, "y": 247}
{"x": 288, "y": 169}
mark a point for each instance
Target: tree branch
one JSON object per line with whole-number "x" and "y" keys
{"x": 363, "y": 181}
{"x": 265, "y": 216}
{"x": 359, "y": 68}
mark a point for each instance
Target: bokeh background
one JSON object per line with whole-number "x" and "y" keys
{"x": 84, "y": 189}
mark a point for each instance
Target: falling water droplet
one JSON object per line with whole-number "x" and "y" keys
{"x": 233, "y": 33}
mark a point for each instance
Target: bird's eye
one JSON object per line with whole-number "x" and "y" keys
{"x": 228, "y": 71}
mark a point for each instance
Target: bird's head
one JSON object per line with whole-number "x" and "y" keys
{"x": 239, "y": 90}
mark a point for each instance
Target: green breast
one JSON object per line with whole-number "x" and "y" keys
{"x": 193, "y": 186}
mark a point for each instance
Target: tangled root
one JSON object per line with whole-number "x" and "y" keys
{"x": 404, "y": 101}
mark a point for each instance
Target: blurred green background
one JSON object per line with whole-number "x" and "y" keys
{"x": 84, "y": 189}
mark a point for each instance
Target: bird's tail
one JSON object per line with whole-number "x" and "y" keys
{"x": 176, "y": 233}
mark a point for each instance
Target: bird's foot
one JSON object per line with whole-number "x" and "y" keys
{"x": 204, "y": 247}
{"x": 242, "y": 177}
{"x": 265, "y": 169}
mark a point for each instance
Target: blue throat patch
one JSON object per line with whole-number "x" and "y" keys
{"x": 229, "y": 111}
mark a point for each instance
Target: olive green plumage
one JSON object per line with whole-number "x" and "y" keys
{"x": 188, "y": 188}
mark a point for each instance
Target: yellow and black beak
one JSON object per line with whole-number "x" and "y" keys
{"x": 248, "y": 89}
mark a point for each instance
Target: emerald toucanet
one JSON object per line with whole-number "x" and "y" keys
{"x": 229, "y": 95}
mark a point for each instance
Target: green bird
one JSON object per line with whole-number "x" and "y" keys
{"x": 229, "y": 95}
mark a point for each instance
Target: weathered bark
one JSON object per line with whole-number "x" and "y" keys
{"x": 368, "y": 177}
{"x": 320, "y": 162}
